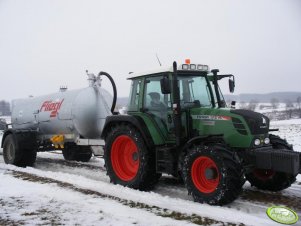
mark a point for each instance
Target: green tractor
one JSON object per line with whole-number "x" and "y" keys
{"x": 178, "y": 124}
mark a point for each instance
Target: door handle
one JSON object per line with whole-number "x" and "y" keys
{"x": 169, "y": 119}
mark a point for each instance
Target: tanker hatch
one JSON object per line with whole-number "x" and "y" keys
{"x": 63, "y": 88}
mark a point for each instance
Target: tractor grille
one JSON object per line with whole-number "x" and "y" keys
{"x": 239, "y": 126}
{"x": 258, "y": 123}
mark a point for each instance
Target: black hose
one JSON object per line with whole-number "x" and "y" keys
{"x": 114, "y": 89}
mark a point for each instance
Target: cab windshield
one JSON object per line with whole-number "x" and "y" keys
{"x": 221, "y": 96}
{"x": 194, "y": 91}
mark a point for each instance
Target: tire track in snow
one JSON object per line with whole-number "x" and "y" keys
{"x": 175, "y": 189}
{"x": 271, "y": 198}
{"x": 41, "y": 160}
{"x": 193, "y": 218}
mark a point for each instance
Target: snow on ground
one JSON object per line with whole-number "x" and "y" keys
{"x": 267, "y": 107}
{"x": 290, "y": 130}
{"x": 56, "y": 192}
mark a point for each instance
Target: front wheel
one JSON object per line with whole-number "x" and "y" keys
{"x": 212, "y": 174}
{"x": 271, "y": 180}
{"x": 128, "y": 160}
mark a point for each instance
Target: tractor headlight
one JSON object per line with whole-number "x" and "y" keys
{"x": 267, "y": 140}
{"x": 200, "y": 67}
{"x": 192, "y": 67}
{"x": 185, "y": 66}
{"x": 257, "y": 142}
{"x": 206, "y": 67}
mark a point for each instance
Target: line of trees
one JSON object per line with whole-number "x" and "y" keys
{"x": 290, "y": 109}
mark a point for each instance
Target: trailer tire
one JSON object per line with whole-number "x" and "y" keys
{"x": 84, "y": 154}
{"x": 128, "y": 160}
{"x": 73, "y": 152}
{"x": 11, "y": 153}
{"x": 29, "y": 157}
{"x": 269, "y": 179}
{"x": 223, "y": 168}
{"x": 69, "y": 151}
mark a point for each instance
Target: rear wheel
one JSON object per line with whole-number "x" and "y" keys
{"x": 269, "y": 179}
{"x": 13, "y": 154}
{"x": 128, "y": 160}
{"x": 212, "y": 174}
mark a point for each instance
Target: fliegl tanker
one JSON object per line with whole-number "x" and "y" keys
{"x": 60, "y": 120}
{"x": 177, "y": 123}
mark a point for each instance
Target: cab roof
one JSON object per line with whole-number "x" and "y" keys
{"x": 180, "y": 67}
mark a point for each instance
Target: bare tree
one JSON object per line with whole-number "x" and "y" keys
{"x": 289, "y": 106}
{"x": 4, "y": 108}
{"x": 252, "y": 105}
{"x": 299, "y": 105}
{"x": 274, "y": 103}
{"x": 242, "y": 105}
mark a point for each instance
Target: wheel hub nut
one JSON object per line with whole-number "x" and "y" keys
{"x": 135, "y": 156}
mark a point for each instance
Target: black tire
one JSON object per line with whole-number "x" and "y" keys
{"x": 84, "y": 154}
{"x": 11, "y": 153}
{"x": 144, "y": 176}
{"x": 14, "y": 155}
{"x": 226, "y": 172}
{"x": 69, "y": 151}
{"x": 268, "y": 179}
{"x": 29, "y": 157}
{"x": 73, "y": 152}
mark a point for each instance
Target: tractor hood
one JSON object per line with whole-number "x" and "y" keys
{"x": 258, "y": 123}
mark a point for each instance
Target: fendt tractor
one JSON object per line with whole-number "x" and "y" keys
{"x": 177, "y": 123}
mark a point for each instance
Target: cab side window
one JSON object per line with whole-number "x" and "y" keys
{"x": 153, "y": 97}
{"x": 133, "y": 104}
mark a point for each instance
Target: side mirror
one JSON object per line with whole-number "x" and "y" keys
{"x": 233, "y": 103}
{"x": 231, "y": 85}
{"x": 165, "y": 85}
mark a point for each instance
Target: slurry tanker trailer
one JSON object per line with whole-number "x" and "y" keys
{"x": 177, "y": 123}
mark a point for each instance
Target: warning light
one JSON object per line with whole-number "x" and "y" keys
{"x": 187, "y": 61}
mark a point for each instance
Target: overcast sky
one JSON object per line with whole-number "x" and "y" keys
{"x": 45, "y": 44}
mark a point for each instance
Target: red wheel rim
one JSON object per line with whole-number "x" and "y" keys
{"x": 125, "y": 158}
{"x": 263, "y": 174}
{"x": 198, "y": 174}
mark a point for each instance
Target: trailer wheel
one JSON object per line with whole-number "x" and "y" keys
{"x": 69, "y": 151}
{"x": 11, "y": 153}
{"x": 212, "y": 174}
{"x": 73, "y": 152}
{"x": 128, "y": 160}
{"x": 269, "y": 179}
{"x": 29, "y": 157}
{"x": 84, "y": 154}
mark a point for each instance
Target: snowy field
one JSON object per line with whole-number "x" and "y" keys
{"x": 59, "y": 192}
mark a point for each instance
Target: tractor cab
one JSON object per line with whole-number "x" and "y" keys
{"x": 166, "y": 105}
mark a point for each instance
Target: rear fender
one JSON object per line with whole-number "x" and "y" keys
{"x": 136, "y": 121}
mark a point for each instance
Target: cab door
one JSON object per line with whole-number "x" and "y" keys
{"x": 158, "y": 106}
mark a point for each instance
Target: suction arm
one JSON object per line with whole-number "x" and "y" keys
{"x": 114, "y": 89}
